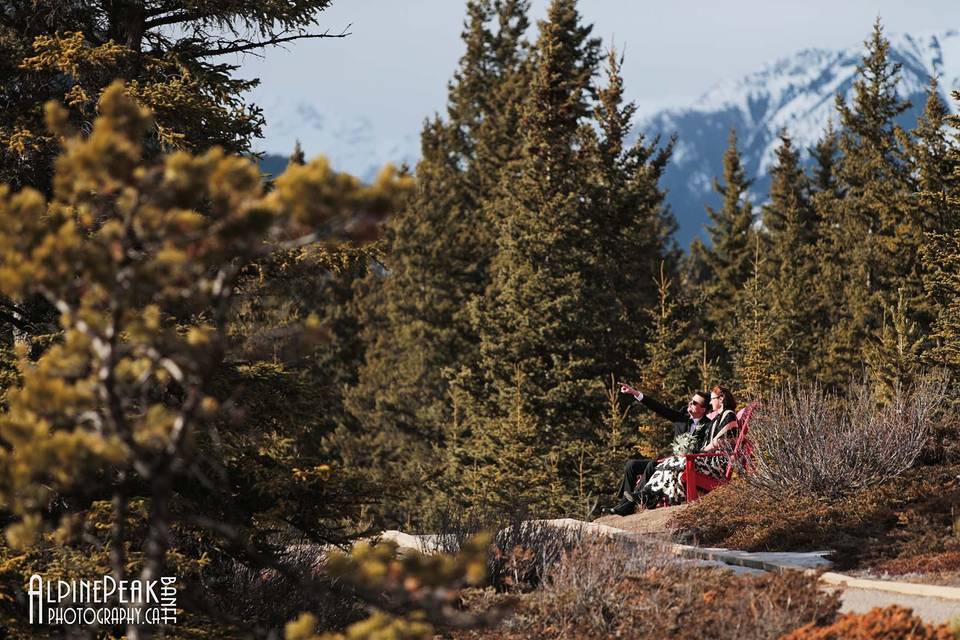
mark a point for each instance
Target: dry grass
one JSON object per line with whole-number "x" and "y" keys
{"x": 606, "y": 589}
{"x": 902, "y": 522}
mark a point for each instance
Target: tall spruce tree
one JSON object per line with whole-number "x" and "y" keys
{"x": 635, "y": 225}
{"x": 824, "y": 155}
{"x": 547, "y": 310}
{"x": 872, "y": 243}
{"x": 759, "y": 359}
{"x": 791, "y": 266}
{"x": 893, "y": 357}
{"x": 941, "y": 257}
{"x": 515, "y": 473}
{"x": 932, "y": 174}
{"x": 727, "y": 262}
{"x": 668, "y": 368}
{"x": 436, "y": 259}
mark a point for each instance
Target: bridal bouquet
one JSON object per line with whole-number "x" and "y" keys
{"x": 683, "y": 444}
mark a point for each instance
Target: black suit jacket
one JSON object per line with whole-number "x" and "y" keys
{"x": 681, "y": 419}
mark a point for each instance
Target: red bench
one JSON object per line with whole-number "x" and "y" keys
{"x": 698, "y": 483}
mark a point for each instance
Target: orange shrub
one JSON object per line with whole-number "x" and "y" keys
{"x": 890, "y": 623}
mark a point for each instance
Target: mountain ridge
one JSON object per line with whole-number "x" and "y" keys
{"x": 795, "y": 92}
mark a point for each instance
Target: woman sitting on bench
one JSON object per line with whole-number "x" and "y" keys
{"x": 665, "y": 484}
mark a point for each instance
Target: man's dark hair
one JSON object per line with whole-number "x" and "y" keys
{"x": 705, "y": 398}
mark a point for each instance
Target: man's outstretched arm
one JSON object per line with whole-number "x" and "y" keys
{"x": 661, "y": 410}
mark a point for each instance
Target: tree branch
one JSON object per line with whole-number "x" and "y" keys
{"x": 249, "y": 46}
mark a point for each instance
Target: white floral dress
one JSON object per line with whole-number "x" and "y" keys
{"x": 666, "y": 485}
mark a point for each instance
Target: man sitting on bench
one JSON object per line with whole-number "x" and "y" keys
{"x": 685, "y": 421}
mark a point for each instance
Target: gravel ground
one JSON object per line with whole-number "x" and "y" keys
{"x": 650, "y": 521}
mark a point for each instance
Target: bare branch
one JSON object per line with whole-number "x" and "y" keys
{"x": 250, "y": 46}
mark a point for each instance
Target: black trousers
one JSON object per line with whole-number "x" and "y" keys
{"x": 634, "y": 471}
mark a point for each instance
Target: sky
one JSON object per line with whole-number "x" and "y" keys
{"x": 391, "y": 72}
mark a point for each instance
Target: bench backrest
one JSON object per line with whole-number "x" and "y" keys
{"x": 742, "y": 449}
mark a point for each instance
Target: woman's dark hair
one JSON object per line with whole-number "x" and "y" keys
{"x": 729, "y": 402}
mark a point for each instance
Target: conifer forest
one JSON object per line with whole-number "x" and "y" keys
{"x": 227, "y": 384}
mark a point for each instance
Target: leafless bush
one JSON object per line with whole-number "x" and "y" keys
{"x": 810, "y": 441}
{"x": 611, "y": 589}
{"x": 263, "y": 599}
{"x": 584, "y": 592}
{"x": 522, "y": 553}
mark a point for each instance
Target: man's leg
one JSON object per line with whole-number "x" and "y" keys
{"x": 633, "y": 471}
{"x": 646, "y": 475}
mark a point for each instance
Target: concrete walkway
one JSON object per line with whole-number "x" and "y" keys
{"x": 932, "y": 603}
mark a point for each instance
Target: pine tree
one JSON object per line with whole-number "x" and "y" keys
{"x": 825, "y": 156}
{"x": 941, "y": 258}
{"x": 871, "y": 247}
{"x": 932, "y": 172}
{"x": 140, "y": 442}
{"x": 893, "y": 358}
{"x": 941, "y": 254}
{"x": 667, "y": 369}
{"x": 635, "y": 226}
{"x": 297, "y": 157}
{"x": 547, "y": 309}
{"x": 759, "y": 360}
{"x": 171, "y": 55}
{"x": 791, "y": 243}
{"x": 436, "y": 259}
{"x": 727, "y": 262}
{"x": 515, "y": 466}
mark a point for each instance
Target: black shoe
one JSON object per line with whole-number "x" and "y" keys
{"x": 625, "y": 508}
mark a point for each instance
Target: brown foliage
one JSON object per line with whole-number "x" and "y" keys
{"x": 923, "y": 563}
{"x": 911, "y": 517}
{"x": 608, "y": 590}
{"x": 890, "y": 623}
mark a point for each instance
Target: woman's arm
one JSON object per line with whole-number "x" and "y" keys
{"x": 729, "y": 423}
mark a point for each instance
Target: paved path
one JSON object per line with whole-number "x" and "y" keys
{"x": 934, "y": 610}
{"x": 934, "y": 604}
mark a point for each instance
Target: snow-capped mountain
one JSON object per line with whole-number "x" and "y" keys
{"x": 354, "y": 144}
{"x": 796, "y": 93}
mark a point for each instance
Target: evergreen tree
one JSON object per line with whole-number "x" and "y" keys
{"x": 941, "y": 253}
{"x": 635, "y": 226}
{"x": 941, "y": 258}
{"x": 871, "y": 247}
{"x": 297, "y": 157}
{"x": 792, "y": 239}
{"x": 437, "y": 258}
{"x": 671, "y": 358}
{"x": 547, "y": 310}
{"x": 893, "y": 358}
{"x": 171, "y": 54}
{"x": 825, "y": 155}
{"x": 516, "y": 471}
{"x": 141, "y": 443}
{"x": 932, "y": 172}
{"x": 727, "y": 262}
{"x": 759, "y": 359}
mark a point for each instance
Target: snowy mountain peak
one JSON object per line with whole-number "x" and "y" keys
{"x": 796, "y": 94}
